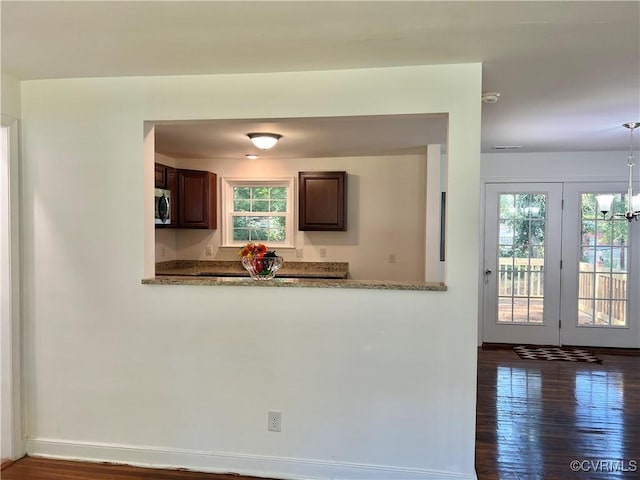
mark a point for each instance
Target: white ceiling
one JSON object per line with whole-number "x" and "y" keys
{"x": 568, "y": 71}
{"x": 304, "y": 137}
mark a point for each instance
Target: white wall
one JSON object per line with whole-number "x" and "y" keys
{"x": 556, "y": 166}
{"x": 371, "y": 383}
{"x": 10, "y": 95}
{"x": 386, "y": 214}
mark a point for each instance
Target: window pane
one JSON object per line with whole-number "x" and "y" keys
{"x": 619, "y": 286}
{"x": 588, "y": 232}
{"x": 603, "y": 262}
{"x": 537, "y": 251}
{"x": 260, "y": 206}
{"x": 239, "y": 222}
{"x": 258, "y": 222}
{"x": 506, "y": 232}
{"x": 259, "y": 234}
{"x": 507, "y": 206}
{"x": 537, "y": 232}
{"x": 537, "y": 206}
{"x": 618, "y": 313}
{"x": 587, "y": 259}
{"x": 241, "y": 234}
{"x": 521, "y": 234}
{"x": 536, "y": 308}
{"x": 260, "y": 192}
{"x": 520, "y": 310}
{"x": 620, "y": 230}
{"x": 278, "y": 206}
{"x": 278, "y": 193}
{"x": 585, "y": 313}
{"x": 506, "y": 253}
{"x": 604, "y": 232}
{"x": 620, "y": 258}
{"x": 277, "y": 222}
{"x": 522, "y": 201}
{"x": 241, "y": 193}
{"x": 276, "y": 235}
{"x": 241, "y": 206}
{"x": 589, "y": 207}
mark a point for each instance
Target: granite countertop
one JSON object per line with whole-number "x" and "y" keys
{"x": 295, "y": 282}
{"x": 233, "y": 268}
{"x": 302, "y": 275}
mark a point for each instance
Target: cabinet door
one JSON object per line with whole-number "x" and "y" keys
{"x": 322, "y": 201}
{"x": 160, "y": 176}
{"x": 197, "y": 195}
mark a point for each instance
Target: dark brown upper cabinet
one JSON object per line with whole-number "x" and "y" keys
{"x": 322, "y": 201}
{"x": 161, "y": 176}
{"x": 197, "y": 199}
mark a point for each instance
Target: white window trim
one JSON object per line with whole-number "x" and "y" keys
{"x": 226, "y": 192}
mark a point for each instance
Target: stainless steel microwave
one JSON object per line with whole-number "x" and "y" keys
{"x": 163, "y": 206}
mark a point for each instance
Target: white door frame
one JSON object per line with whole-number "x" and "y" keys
{"x": 11, "y": 420}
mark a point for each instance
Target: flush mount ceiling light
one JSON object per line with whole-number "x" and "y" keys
{"x": 633, "y": 203}
{"x": 251, "y": 156}
{"x": 264, "y": 141}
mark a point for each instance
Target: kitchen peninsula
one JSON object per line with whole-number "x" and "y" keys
{"x": 292, "y": 274}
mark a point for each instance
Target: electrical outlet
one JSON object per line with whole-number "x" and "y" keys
{"x": 299, "y": 253}
{"x": 274, "y": 421}
{"x": 392, "y": 258}
{"x": 323, "y": 252}
{"x": 209, "y": 251}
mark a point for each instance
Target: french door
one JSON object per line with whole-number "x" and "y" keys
{"x": 601, "y": 270}
{"x": 522, "y": 263}
{"x": 559, "y": 276}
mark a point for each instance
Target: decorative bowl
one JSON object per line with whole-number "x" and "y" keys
{"x": 262, "y": 268}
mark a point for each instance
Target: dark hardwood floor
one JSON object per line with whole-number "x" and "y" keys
{"x": 43, "y": 469}
{"x": 534, "y": 418}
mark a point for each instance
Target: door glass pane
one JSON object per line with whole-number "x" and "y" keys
{"x": 521, "y": 240}
{"x": 603, "y": 278}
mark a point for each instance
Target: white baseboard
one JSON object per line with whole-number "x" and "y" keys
{"x": 214, "y": 462}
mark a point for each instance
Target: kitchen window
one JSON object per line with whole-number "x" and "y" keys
{"x": 258, "y": 211}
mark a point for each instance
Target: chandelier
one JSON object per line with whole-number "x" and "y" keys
{"x": 633, "y": 203}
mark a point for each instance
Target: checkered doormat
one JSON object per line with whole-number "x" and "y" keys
{"x": 555, "y": 353}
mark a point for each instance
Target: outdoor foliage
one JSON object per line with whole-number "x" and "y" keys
{"x": 604, "y": 239}
{"x": 522, "y": 225}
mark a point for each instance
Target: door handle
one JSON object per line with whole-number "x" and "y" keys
{"x": 487, "y": 272}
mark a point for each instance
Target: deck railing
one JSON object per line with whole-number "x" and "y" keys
{"x": 609, "y": 289}
{"x": 521, "y": 277}
{"x": 525, "y": 277}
